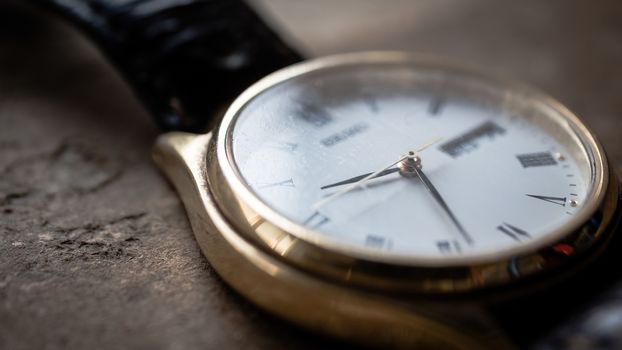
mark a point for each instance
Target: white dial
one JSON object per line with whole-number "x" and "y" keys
{"x": 500, "y": 169}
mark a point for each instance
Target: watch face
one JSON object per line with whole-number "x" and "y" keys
{"x": 411, "y": 161}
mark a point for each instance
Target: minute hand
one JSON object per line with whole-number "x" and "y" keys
{"x": 439, "y": 199}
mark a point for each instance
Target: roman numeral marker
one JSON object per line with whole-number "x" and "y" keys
{"x": 514, "y": 232}
{"x": 555, "y": 200}
{"x": 448, "y": 247}
{"x": 536, "y": 159}
{"x": 378, "y": 242}
{"x": 371, "y": 102}
{"x": 313, "y": 114}
{"x": 316, "y": 220}
{"x": 283, "y": 146}
{"x": 436, "y": 106}
{"x": 284, "y": 183}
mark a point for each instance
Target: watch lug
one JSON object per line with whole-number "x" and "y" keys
{"x": 181, "y": 157}
{"x": 174, "y": 147}
{"x": 178, "y": 143}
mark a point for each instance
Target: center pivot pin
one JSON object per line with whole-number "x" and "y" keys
{"x": 408, "y": 167}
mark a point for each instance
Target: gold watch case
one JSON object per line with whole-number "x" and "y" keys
{"x": 348, "y": 293}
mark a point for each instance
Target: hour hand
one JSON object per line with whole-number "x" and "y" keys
{"x": 360, "y": 177}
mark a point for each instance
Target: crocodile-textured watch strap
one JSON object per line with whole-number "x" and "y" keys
{"x": 185, "y": 59}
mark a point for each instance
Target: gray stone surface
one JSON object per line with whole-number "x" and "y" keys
{"x": 95, "y": 248}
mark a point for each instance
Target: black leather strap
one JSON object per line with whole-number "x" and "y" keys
{"x": 185, "y": 59}
{"x": 562, "y": 295}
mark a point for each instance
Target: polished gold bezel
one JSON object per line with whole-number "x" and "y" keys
{"x": 316, "y": 253}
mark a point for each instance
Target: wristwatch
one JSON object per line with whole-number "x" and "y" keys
{"x": 385, "y": 198}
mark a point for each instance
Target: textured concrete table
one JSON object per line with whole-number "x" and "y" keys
{"x": 95, "y": 248}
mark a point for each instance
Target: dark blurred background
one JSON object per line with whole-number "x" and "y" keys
{"x": 95, "y": 248}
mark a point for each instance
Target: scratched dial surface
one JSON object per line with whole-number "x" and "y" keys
{"x": 504, "y": 169}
